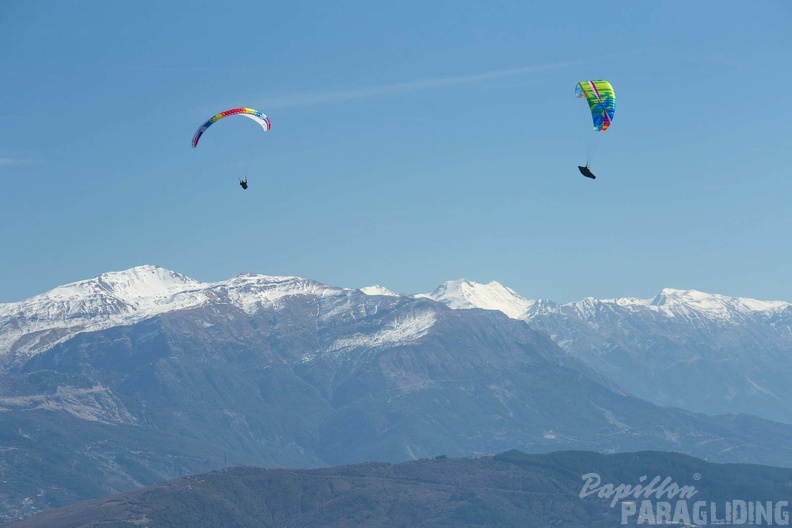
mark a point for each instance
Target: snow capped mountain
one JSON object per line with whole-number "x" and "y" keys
{"x": 253, "y": 292}
{"x": 137, "y": 289}
{"x": 684, "y": 302}
{"x": 465, "y": 294}
{"x": 692, "y": 305}
{"x": 378, "y": 290}
{"x": 662, "y": 349}
{"x": 125, "y": 297}
{"x": 704, "y": 352}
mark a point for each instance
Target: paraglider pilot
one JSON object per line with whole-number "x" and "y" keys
{"x": 586, "y": 172}
{"x": 243, "y": 183}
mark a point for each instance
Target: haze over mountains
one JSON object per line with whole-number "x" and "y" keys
{"x": 137, "y": 376}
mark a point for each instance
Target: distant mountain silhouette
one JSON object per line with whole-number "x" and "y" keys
{"x": 508, "y": 490}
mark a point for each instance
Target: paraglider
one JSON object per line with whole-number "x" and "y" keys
{"x": 250, "y": 113}
{"x": 601, "y": 101}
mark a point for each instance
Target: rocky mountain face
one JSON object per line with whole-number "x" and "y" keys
{"x": 139, "y": 376}
{"x": 703, "y": 352}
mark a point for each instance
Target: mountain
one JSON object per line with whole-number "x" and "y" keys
{"x": 465, "y": 294}
{"x": 703, "y": 352}
{"x": 138, "y": 376}
{"x": 123, "y": 298}
{"x": 507, "y": 490}
{"x": 378, "y": 290}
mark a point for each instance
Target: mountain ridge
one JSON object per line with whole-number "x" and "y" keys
{"x": 122, "y": 298}
{"x": 705, "y": 352}
{"x": 117, "y": 298}
{"x": 510, "y": 489}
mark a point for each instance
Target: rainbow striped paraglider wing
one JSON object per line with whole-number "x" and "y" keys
{"x": 250, "y": 113}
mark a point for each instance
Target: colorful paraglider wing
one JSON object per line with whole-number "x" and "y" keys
{"x": 255, "y": 115}
{"x": 601, "y": 100}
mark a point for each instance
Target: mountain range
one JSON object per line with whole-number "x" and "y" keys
{"x": 138, "y": 376}
{"x": 703, "y": 352}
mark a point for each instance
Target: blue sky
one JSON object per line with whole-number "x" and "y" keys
{"x": 412, "y": 142}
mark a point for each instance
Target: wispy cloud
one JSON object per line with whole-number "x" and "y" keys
{"x": 305, "y": 99}
{"x": 312, "y": 98}
{"x": 7, "y": 159}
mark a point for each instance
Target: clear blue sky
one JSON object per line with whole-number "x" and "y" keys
{"x": 412, "y": 142}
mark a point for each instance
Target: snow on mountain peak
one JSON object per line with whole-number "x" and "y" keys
{"x": 378, "y": 290}
{"x": 109, "y": 293}
{"x": 672, "y": 296}
{"x": 142, "y": 283}
{"x": 250, "y": 291}
{"x": 465, "y": 294}
{"x": 674, "y": 300}
{"x": 125, "y": 297}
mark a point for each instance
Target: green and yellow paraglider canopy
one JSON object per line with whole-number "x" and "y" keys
{"x": 601, "y": 100}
